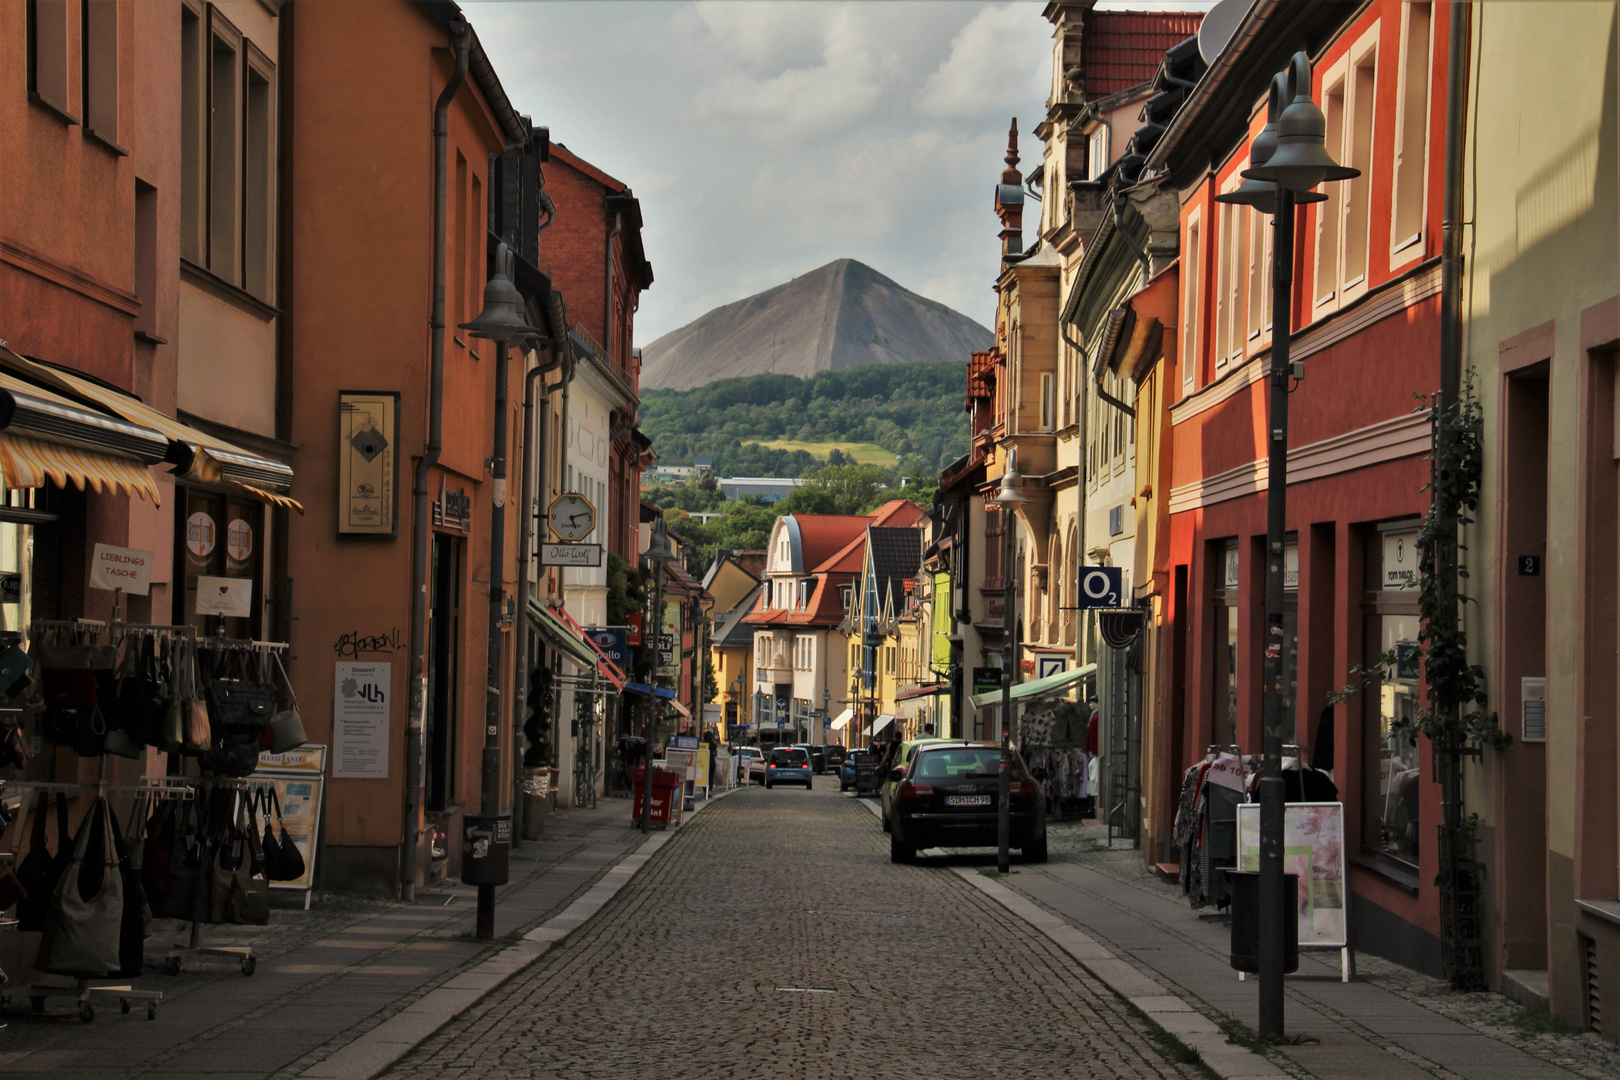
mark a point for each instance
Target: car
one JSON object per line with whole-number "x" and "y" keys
{"x": 846, "y": 773}
{"x": 788, "y": 765}
{"x": 753, "y": 766}
{"x": 898, "y": 759}
{"x": 835, "y": 757}
{"x": 817, "y": 759}
{"x": 946, "y": 796}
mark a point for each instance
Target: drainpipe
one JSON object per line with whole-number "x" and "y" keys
{"x": 421, "y": 534}
{"x": 1081, "y": 641}
{"x": 607, "y": 289}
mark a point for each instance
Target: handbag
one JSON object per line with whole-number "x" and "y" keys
{"x": 156, "y": 849}
{"x": 136, "y": 915}
{"x": 286, "y": 728}
{"x": 239, "y": 894}
{"x": 87, "y": 909}
{"x": 142, "y": 695}
{"x": 287, "y": 864}
{"x": 185, "y": 865}
{"x": 39, "y": 870}
{"x": 238, "y": 710}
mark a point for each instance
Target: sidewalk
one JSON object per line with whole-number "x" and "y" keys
{"x": 1387, "y": 1022}
{"x": 325, "y": 978}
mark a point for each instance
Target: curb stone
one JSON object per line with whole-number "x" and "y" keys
{"x": 374, "y": 1052}
{"x": 1168, "y": 1011}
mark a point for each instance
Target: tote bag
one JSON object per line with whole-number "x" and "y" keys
{"x": 87, "y": 912}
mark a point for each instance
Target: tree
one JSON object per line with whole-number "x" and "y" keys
{"x": 838, "y": 457}
{"x": 838, "y": 489}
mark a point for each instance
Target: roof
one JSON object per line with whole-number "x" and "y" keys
{"x": 822, "y": 535}
{"x": 481, "y": 71}
{"x": 850, "y": 558}
{"x": 896, "y": 554}
{"x": 733, "y": 632}
{"x": 981, "y": 375}
{"x": 1123, "y": 49}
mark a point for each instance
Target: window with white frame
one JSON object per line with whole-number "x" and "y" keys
{"x": 1344, "y": 221}
{"x": 1411, "y": 133}
{"x": 1048, "y": 401}
{"x": 1231, "y": 273}
{"x": 1258, "y": 326}
{"x": 1191, "y": 301}
{"x": 1097, "y": 153}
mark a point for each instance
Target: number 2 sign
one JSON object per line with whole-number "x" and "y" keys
{"x": 1101, "y": 587}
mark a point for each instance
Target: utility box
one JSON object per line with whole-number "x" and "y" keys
{"x": 486, "y": 847}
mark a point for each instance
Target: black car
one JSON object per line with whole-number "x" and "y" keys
{"x": 948, "y": 797}
{"x": 834, "y": 755}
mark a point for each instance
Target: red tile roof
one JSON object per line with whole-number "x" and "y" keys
{"x": 1122, "y": 49}
{"x": 751, "y": 561}
{"x": 822, "y": 534}
{"x": 825, "y": 607}
{"x": 981, "y": 375}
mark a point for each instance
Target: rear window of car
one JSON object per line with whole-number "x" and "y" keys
{"x": 945, "y": 764}
{"x": 789, "y": 757}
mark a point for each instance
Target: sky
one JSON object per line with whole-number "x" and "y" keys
{"x": 766, "y": 138}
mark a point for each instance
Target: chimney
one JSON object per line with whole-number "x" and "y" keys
{"x": 1010, "y": 199}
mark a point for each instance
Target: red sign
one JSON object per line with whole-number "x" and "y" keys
{"x": 634, "y": 636}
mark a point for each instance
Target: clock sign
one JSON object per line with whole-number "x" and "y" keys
{"x": 571, "y": 517}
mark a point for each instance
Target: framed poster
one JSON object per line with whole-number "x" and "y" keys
{"x": 360, "y": 717}
{"x": 368, "y": 463}
{"x": 299, "y": 777}
{"x": 1313, "y": 848}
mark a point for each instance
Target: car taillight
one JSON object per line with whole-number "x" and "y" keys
{"x": 908, "y": 790}
{"x": 1022, "y": 787}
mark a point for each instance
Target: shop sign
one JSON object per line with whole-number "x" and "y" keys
{"x": 368, "y": 455}
{"x": 986, "y": 680}
{"x": 360, "y": 708}
{"x": 1400, "y": 560}
{"x": 570, "y": 554}
{"x": 1291, "y": 567}
{"x": 11, "y": 588}
{"x": 453, "y": 509}
{"x": 201, "y": 534}
{"x": 228, "y": 596}
{"x": 238, "y": 540}
{"x": 1051, "y": 665}
{"x": 611, "y": 641}
{"x": 1101, "y": 587}
{"x": 118, "y": 568}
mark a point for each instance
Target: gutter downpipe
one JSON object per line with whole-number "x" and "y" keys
{"x": 460, "y": 36}
{"x": 1451, "y": 270}
{"x": 607, "y": 289}
{"x": 1081, "y": 638}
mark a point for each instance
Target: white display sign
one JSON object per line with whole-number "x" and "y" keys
{"x": 1533, "y": 700}
{"x": 121, "y": 568}
{"x": 1400, "y": 560}
{"x": 230, "y": 596}
{"x": 570, "y": 554}
{"x": 360, "y": 711}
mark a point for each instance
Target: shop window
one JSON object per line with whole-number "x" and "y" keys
{"x": 1391, "y": 777}
{"x": 49, "y": 31}
{"x": 1411, "y": 133}
{"x": 1191, "y": 303}
{"x": 99, "y": 69}
{"x": 220, "y": 537}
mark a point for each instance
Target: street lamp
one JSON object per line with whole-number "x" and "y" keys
{"x": 1008, "y": 499}
{"x": 1298, "y": 163}
{"x": 658, "y": 554}
{"x": 826, "y": 709}
{"x": 500, "y": 321}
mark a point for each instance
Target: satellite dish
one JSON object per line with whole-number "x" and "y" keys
{"x": 1218, "y": 26}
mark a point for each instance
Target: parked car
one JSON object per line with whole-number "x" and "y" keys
{"x": 947, "y": 796}
{"x": 818, "y": 759}
{"x": 898, "y": 759}
{"x": 788, "y": 765}
{"x": 846, "y": 773}
{"x": 753, "y": 766}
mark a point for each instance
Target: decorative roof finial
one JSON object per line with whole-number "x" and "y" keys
{"x": 1011, "y": 175}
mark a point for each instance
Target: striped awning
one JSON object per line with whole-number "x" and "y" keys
{"x": 27, "y": 462}
{"x": 270, "y": 497}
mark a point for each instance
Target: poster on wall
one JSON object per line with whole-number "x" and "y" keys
{"x": 360, "y": 707}
{"x": 368, "y": 456}
{"x": 1313, "y": 848}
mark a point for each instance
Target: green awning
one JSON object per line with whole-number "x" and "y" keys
{"x": 559, "y": 636}
{"x": 1050, "y": 686}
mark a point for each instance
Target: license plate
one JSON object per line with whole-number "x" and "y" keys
{"x": 967, "y": 800}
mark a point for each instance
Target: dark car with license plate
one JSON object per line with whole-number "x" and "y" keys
{"x": 788, "y": 765}
{"x": 947, "y": 795}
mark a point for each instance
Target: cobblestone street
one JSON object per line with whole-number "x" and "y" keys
{"x": 774, "y": 938}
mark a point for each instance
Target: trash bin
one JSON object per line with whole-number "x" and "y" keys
{"x": 486, "y": 844}
{"x": 1246, "y": 920}
{"x": 666, "y": 782}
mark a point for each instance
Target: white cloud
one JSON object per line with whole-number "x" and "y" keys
{"x": 992, "y": 66}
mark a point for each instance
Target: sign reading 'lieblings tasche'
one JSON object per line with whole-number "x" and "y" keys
{"x": 368, "y": 456}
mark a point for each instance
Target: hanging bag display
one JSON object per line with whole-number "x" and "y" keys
{"x": 68, "y": 690}
{"x": 136, "y": 915}
{"x": 196, "y": 733}
{"x": 249, "y": 903}
{"x": 287, "y": 864}
{"x": 240, "y": 704}
{"x": 185, "y": 865}
{"x": 39, "y": 870}
{"x": 87, "y": 910}
{"x": 156, "y": 848}
{"x": 286, "y": 728}
{"x": 143, "y": 698}
{"x": 171, "y": 733}
{"x": 269, "y": 846}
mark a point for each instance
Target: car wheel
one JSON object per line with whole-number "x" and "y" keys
{"x": 1035, "y": 852}
{"x": 898, "y": 852}
{"x": 767, "y": 785}
{"x": 887, "y": 825}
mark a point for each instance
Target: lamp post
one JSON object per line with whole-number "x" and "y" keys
{"x": 500, "y": 321}
{"x": 659, "y": 555}
{"x": 1008, "y": 499}
{"x": 1288, "y": 157}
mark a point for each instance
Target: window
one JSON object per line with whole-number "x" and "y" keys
{"x": 219, "y": 536}
{"x": 1231, "y": 270}
{"x": 1343, "y": 221}
{"x": 258, "y": 170}
{"x": 193, "y": 108}
{"x": 1224, "y": 684}
{"x": 100, "y": 69}
{"x": 1392, "y": 779}
{"x": 1048, "y": 402}
{"x": 458, "y": 280}
{"x": 1358, "y": 145}
{"x": 48, "y": 55}
{"x": 1191, "y": 303}
{"x": 1411, "y": 131}
{"x": 1328, "y": 213}
{"x": 146, "y": 268}
{"x": 1259, "y": 306}
{"x": 224, "y": 150}
{"x": 1097, "y": 153}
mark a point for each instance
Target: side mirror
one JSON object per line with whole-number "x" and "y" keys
{"x": 897, "y": 773}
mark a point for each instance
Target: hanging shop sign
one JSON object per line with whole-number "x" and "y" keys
{"x": 612, "y": 642}
{"x": 986, "y": 680}
{"x": 360, "y": 708}
{"x": 1400, "y": 560}
{"x": 1101, "y": 587}
{"x": 368, "y": 457}
{"x": 201, "y": 534}
{"x": 570, "y": 554}
{"x": 121, "y": 568}
{"x": 452, "y": 509}
{"x": 239, "y": 540}
{"x": 228, "y": 596}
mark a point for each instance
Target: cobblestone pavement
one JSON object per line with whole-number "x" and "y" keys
{"x": 773, "y": 937}
{"x": 1488, "y": 1013}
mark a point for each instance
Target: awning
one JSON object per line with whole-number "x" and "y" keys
{"x": 194, "y": 453}
{"x": 612, "y": 671}
{"x": 883, "y": 721}
{"x": 26, "y": 462}
{"x": 559, "y": 636}
{"x": 682, "y": 709}
{"x": 841, "y": 721}
{"x": 911, "y": 693}
{"x": 1050, "y": 686}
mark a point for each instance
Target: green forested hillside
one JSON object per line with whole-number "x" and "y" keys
{"x": 912, "y": 410}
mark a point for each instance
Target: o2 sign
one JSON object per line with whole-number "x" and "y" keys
{"x": 1101, "y": 587}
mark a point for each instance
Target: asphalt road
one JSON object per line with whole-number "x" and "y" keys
{"x": 772, "y": 937}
